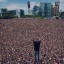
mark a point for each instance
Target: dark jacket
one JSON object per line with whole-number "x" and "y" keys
{"x": 36, "y": 45}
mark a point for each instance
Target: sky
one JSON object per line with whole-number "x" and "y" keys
{"x": 22, "y": 4}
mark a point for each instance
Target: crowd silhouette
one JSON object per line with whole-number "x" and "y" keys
{"x": 18, "y": 47}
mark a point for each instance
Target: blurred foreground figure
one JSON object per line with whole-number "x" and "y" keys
{"x": 36, "y": 48}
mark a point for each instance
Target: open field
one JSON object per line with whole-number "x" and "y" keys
{"x": 16, "y": 40}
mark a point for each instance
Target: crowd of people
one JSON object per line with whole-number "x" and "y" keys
{"x": 16, "y": 41}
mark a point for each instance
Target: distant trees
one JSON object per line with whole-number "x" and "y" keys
{"x": 9, "y": 14}
{"x": 33, "y": 16}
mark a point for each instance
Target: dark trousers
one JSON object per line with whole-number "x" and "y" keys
{"x": 37, "y": 55}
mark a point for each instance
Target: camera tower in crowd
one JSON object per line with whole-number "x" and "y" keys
{"x": 28, "y": 3}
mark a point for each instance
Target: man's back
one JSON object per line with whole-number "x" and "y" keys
{"x": 36, "y": 45}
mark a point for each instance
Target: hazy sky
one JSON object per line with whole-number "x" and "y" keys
{"x": 22, "y": 4}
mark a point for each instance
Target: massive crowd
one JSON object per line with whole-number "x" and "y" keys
{"x": 16, "y": 41}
